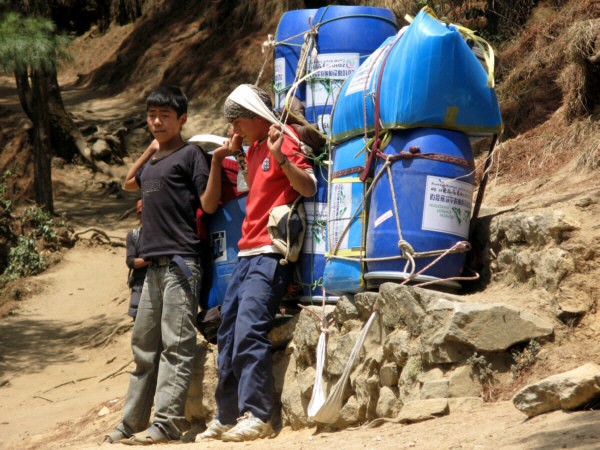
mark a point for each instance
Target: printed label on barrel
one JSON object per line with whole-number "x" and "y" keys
{"x": 316, "y": 221}
{"x": 332, "y": 70}
{"x": 447, "y": 206}
{"x": 218, "y": 244}
{"x": 279, "y": 80}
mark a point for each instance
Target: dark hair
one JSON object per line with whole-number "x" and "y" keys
{"x": 168, "y": 96}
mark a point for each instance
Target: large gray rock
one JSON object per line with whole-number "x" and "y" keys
{"x": 397, "y": 347}
{"x": 531, "y": 229}
{"x": 453, "y": 331}
{"x": 339, "y": 348}
{"x": 365, "y": 302}
{"x": 435, "y": 389}
{"x": 389, "y": 375}
{"x": 352, "y": 413}
{"x": 201, "y": 404}
{"x": 420, "y": 410}
{"x": 306, "y": 334}
{"x": 293, "y": 403}
{"x": 567, "y": 390}
{"x": 283, "y": 332}
{"x": 388, "y": 403}
{"x": 463, "y": 382}
{"x": 546, "y": 268}
{"x": 345, "y": 310}
{"x": 400, "y": 305}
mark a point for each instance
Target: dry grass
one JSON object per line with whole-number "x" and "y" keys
{"x": 549, "y": 93}
{"x": 548, "y": 148}
{"x": 535, "y": 74}
{"x": 579, "y": 80}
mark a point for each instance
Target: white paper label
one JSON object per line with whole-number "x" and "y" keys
{"x": 333, "y": 69}
{"x": 279, "y": 79}
{"x": 363, "y": 78}
{"x": 341, "y": 205}
{"x": 316, "y": 226}
{"x": 218, "y": 242}
{"x": 382, "y": 218}
{"x": 334, "y": 66}
{"x": 447, "y": 206}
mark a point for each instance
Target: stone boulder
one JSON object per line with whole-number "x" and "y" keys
{"x": 568, "y": 390}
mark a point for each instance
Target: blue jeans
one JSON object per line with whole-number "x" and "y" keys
{"x": 245, "y": 367}
{"x": 163, "y": 344}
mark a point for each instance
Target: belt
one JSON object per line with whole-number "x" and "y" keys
{"x": 161, "y": 261}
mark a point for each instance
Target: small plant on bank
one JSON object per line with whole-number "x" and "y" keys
{"x": 486, "y": 375}
{"x": 23, "y": 260}
{"x": 524, "y": 358}
{"x": 40, "y": 223}
{"x": 38, "y": 230}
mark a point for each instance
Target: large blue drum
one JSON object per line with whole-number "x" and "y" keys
{"x": 346, "y": 220}
{"x": 224, "y": 231}
{"x": 425, "y": 76}
{"x": 426, "y": 203}
{"x": 312, "y": 258}
{"x": 289, "y": 38}
{"x": 347, "y": 35}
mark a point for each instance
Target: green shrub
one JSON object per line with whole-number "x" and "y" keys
{"x": 23, "y": 260}
{"x": 41, "y": 224}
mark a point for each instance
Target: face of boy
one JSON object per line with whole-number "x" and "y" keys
{"x": 164, "y": 123}
{"x": 250, "y": 129}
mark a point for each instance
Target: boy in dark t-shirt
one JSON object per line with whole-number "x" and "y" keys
{"x": 173, "y": 178}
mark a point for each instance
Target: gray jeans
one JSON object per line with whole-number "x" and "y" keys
{"x": 163, "y": 344}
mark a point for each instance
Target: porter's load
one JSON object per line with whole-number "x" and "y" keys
{"x": 420, "y": 206}
{"x": 425, "y": 76}
{"x": 343, "y": 37}
{"x": 346, "y": 219}
{"x": 289, "y": 39}
{"x": 224, "y": 231}
{"x": 312, "y": 258}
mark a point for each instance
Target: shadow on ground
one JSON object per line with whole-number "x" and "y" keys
{"x": 31, "y": 345}
{"x": 579, "y": 431}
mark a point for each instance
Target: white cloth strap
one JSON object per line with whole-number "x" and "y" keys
{"x": 248, "y": 99}
{"x": 327, "y": 410}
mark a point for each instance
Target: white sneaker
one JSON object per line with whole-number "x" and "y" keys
{"x": 214, "y": 431}
{"x": 248, "y": 428}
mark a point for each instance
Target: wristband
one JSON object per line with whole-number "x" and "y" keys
{"x": 284, "y": 162}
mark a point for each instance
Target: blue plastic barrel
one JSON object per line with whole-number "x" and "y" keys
{"x": 224, "y": 231}
{"x": 312, "y": 257}
{"x": 433, "y": 203}
{"x": 426, "y": 76}
{"x": 346, "y": 220}
{"x": 347, "y": 35}
{"x": 289, "y": 38}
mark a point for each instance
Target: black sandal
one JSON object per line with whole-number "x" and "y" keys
{"x": 153, "y": 435}
{"x": 115, "y": 437}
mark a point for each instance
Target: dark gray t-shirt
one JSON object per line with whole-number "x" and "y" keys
{"x": 170, "y": 190}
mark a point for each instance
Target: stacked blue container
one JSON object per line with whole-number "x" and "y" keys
{"x": 430, "y": 94}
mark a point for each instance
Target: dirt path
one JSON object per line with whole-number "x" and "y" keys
{"x": 60, "y": 344}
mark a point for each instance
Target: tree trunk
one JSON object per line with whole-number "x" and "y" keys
{"x": 42, "y": 148}
{"x": 66, "y": 137}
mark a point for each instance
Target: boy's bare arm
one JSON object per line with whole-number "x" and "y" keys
{"x": 130, "y": 183}
{"x": 299, "y": 179}
{"x": 209, "y": 199}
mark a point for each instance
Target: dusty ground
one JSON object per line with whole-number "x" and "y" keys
{"x": 65, "y": 351}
